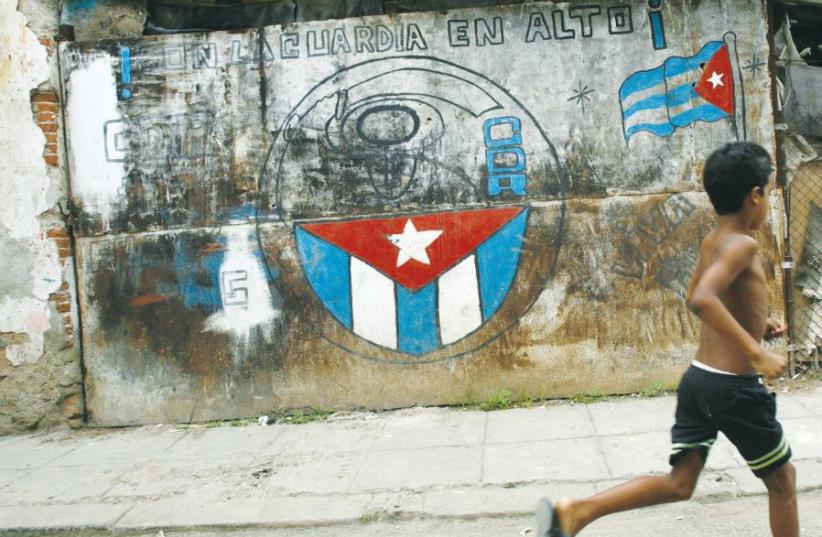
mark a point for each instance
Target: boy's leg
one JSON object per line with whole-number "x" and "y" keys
{"x": 678, "y": 485}
{"x": 784, "y": 515}
{"x": 749, "y": 421}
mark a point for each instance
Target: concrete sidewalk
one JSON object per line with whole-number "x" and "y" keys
{"x": 422, "y": 463}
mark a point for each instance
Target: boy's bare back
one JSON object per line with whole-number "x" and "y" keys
{"x": 728, "y": 292}
{"x": 731, "y": 257}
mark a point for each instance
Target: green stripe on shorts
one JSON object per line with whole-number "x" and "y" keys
{"x": 774, "y": 455}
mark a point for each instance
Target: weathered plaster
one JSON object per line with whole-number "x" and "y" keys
{"x": 41, "y": 15}
{"x": 269, "y": 188}
{"x": 104, "y": 19}
{"x": 29, "y": 265}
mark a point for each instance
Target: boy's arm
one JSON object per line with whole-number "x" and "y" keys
{"x": 775, "y": 329}
{"x": 695, "y": 275}
{"x": 703, "y": 300}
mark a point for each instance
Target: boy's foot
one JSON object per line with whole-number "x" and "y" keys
{"x": 548, "y": 521}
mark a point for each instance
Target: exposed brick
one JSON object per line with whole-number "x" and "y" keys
{"x": 51, "y": 160}
{"x": 50, "y": 150}
{"x": 64, "y": 307}
{"x": 57, "y": 232}
{"x": 60, "y": 296}
{"x": 46, "y": 117}
{"x": 51, "y": 138}
{"x": 46, "y": 42}
{"x": 46, "y": 107}
{"x": 64, "y": 252}
{"x": 49, "y": 127}
{"x": 44, "y": 97}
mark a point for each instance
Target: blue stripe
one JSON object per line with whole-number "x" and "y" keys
{"x": 642, "y": 80}
{"x": 677, "y": 65}
{"x": 417, "y": 319}
{"x": 675, "y": 97}
{"x": 703, "y": 112}
{"x": 497, "y": 259}
{"x": 328, "y": 272}
{"x": 673, "y": 66}
{"x": 660, "y": 129}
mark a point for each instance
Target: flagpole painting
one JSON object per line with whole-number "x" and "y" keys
{"x": 684, "y": 90}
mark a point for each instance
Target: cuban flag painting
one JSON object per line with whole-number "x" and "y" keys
{"x": 681, "y": 91}
{"x": 414, "y": 283}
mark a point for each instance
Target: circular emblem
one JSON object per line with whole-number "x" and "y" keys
{"x": 410, "y": 184}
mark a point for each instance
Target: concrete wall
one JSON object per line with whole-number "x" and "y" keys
{"x": 40, "y": 373}
{"x": 387, "y": 211}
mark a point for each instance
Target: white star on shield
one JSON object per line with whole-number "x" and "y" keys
{"x": 412, "y": 243}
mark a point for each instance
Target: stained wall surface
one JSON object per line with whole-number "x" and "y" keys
{"x": 388, "y": 211}
{"x": 40, "y": 372}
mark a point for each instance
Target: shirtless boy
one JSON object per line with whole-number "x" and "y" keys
{"x": 722, "y": 390}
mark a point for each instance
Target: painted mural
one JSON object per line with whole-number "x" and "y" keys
{"x": 399, "y": 135}
{"x": 392, "y": 210}
{"x": 684, "y": 90}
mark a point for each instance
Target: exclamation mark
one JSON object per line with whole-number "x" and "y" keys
{"x": 657, "y": 24}
{"x": 125, "y": 73}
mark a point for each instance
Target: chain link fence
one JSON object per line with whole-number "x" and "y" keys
{"x": 804, "y": 286}
{"x": 797, "y": 61}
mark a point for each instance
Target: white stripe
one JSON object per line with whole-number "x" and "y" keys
{"x": 651, "y": 115}
{"x": 633, "y": 98}
{"x": 373, "y": 305}
{"x": 660, "y": 89}
{"x": 684, "y": 107}
{"x": 459, "y": 301}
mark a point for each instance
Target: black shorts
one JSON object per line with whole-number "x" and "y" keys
{"x": 738, "y": 405}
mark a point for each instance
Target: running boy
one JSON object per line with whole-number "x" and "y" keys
{"x": 722, "y": 389}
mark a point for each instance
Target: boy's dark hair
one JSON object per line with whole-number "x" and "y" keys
{"x": 732, "y": 171}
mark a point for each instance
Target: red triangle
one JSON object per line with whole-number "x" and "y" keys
{"x": 462, "y": 232}
{"x": 718, "y": 67}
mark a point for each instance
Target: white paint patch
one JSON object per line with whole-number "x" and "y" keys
{"x": 94, "y": 127}
{"x": 246, "y": 298}
{"x": 25, "y": 183}
{"x": 545, "y": 313}
{"x": 373, "y": 305}
{"x": 459, "y": 301}
{"x": 17, "y": 316}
